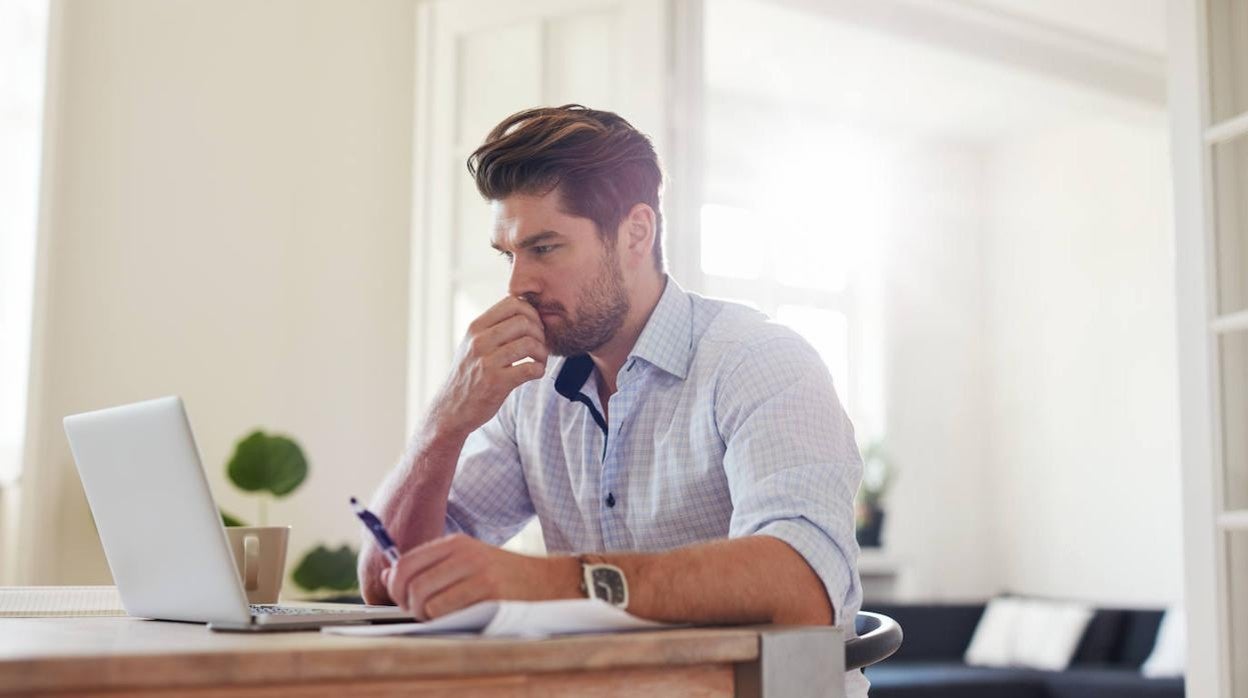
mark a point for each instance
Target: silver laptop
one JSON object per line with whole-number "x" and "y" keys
{"x": 161, "y": 530}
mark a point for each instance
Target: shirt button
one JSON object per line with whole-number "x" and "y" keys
{"x": 610, "y": 499}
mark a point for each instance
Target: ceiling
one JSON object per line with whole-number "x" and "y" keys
{"x": 978, "y": 70}
{"x": 1135, "y": 24}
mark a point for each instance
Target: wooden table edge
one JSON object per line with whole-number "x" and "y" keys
{"x": 377, "y": 659}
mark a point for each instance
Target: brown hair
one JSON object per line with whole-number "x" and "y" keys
{"x": 600, "y": 164}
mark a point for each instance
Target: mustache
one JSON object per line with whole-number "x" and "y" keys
{"x": 543, "y": 307}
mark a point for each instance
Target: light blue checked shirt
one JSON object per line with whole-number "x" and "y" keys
{"x": 722, "y": 425}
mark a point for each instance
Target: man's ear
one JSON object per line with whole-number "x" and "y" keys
{"x": 636, "y": 234}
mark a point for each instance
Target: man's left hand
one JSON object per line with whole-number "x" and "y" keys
{"x": 456, "y": 571}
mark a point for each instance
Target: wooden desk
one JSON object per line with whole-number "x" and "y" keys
{"x": 132, "y": 657}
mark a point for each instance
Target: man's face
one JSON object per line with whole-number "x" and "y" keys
{"x": 561, "y": 266}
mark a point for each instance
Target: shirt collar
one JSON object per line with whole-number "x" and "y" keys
{"x": 667, "y": 339}
{"x": 573, "y": 374}
{"x": 666, "y": 342}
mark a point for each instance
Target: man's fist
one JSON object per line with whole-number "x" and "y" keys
{"x": 485, "y": 369}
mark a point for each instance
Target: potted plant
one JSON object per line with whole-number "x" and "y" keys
{"x": 877, "y": 476}
{"x": 274, "y": 466}
{"x": 271, "y": 466}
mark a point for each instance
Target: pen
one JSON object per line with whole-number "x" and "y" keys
{"x": 373, "y": 524}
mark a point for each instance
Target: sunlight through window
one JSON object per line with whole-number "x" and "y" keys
{"x": 731, "y": 243}
{"x": 23, "y": 47}
{"x": 828, "y": 331}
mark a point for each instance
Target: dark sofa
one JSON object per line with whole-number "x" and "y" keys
{"x": 929, "y": 663}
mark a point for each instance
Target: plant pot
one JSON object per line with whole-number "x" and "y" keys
{"x": 868, "y": 534}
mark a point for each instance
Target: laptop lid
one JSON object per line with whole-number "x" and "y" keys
{"x": 161, "y": 531}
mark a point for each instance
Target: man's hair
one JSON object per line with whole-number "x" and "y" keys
{"x": 600, "y": 165}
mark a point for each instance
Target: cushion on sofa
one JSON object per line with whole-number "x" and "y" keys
{"x": 1028, "y": 632}
{"x": 1139, "y": 635}
{"x": 1101, "y": 639}
{"x": 992, "y": 645}
{"x": 1169, "y": 656}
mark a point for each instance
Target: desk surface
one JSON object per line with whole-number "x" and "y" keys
{"x": 80, "y": 656}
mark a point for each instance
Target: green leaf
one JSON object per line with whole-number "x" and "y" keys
{"x": 230, "y": 519}
{"x": 267, "y": 463}
{"x": 322, "y": 568}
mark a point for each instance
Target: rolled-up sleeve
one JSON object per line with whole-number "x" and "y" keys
{"x": 791, "y": 461}
{"x": 489, "y": 497}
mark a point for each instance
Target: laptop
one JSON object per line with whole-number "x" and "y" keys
{"x": 162, "y": 532}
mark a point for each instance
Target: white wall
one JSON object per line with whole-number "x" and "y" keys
{"x": 228, "y": 221}
{"x": 939, "y": 522}
{"x": 1031, "y": 377}
{"x": 1082, "y": 419}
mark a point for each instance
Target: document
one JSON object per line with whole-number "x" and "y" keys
{"x": 515, "y": 619}
{"x": 44, "y": 602}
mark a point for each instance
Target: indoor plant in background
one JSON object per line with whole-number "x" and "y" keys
{"x": 877, "y": 476}
{"x": 273, "y": 466}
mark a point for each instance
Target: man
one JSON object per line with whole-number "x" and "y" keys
{"x": 693, "y": 454}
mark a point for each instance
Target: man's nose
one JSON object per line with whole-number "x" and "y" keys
{"x": 523, "y": 281}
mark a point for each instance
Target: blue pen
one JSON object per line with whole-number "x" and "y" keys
{"x": 373, "y": 524}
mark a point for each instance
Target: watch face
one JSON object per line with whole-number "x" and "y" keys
{"x": 608, "y": 585}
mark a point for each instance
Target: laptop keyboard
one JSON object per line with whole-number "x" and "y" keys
{"x": 259, "y": 609}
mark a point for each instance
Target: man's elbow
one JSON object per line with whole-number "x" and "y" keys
{"x": 808, "y": 608}
{"x": 808, "y": 603}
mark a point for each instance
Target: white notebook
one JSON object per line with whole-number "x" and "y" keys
{"x": 516, "y": 619}
{"x": 44, "y": 602}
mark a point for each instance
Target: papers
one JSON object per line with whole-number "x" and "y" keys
{"x": 515, "y": 619}
{"x": 45, "y": 602}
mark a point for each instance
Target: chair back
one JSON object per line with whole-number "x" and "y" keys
{"x": 878, "y": 638}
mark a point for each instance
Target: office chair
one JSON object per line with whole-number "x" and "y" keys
{"x": 878, "y": 638}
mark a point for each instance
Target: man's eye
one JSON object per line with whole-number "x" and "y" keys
{"x": 505, "y": 255}
{"x": 542, "y": 249}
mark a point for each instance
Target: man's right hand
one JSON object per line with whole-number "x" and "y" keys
{"x": 412, "y": 501}
{"x": 483, "y": 374}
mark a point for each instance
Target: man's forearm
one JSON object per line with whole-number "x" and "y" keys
{"x": 755, "y": 579}
{"x": 411, "y": 503}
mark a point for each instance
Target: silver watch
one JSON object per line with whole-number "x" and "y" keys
{"x": 600, "y": 580}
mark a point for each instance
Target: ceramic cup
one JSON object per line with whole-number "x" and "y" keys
{"x": 260, "y": 555}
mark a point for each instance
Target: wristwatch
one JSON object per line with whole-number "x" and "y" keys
{"x": 600, "y": 580}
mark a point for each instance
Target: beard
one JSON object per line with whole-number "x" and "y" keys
{"x": 601, "y": 313}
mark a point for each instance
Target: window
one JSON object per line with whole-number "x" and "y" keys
{"x": 790, "y": 227}
{"x": 23, "y": 42}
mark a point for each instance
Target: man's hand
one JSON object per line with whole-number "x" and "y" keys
{"x": 457, "y": 571}
{"x": 412, "y": 501}
{"x": 483, "y": 373}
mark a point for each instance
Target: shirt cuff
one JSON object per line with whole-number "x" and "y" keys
{"x": 823, "y": 556}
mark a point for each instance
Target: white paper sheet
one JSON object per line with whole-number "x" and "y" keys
{"x": 515, "y": 619}
{"x": 43, "y": 602}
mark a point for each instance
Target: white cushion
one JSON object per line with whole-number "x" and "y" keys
{"x": 1049, "y": 634}
{"x": 993, "y": 641}
{"x": 1169, "y": 655}
{"x": 1029, "y": 633}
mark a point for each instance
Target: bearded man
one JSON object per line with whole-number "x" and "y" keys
{"x": 687, "y": 459}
